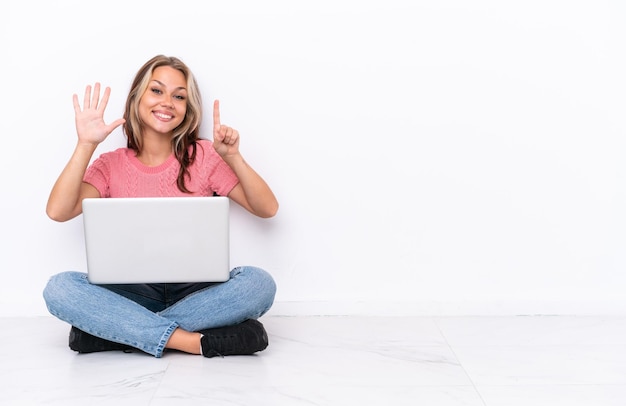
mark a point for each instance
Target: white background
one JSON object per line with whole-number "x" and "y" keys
{"x": 430, "y": 157}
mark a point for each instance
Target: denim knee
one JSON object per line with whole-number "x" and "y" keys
{"x": 262, "y": 288}
{"x": 59, "y": 288}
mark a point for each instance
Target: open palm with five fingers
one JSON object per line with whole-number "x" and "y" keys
{"x": 90, "y": 124}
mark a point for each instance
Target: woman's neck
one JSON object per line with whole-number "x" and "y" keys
{"x": 155, "y": 150}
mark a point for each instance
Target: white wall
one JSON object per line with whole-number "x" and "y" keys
{"x": 430, "y": 157}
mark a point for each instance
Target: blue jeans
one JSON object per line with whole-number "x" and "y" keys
{"x": 145, "y": 316}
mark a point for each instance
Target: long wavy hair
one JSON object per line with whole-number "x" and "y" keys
{"x": 186, "y": 134}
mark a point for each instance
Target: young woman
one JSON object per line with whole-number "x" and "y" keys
{"x": 164, "y": 157}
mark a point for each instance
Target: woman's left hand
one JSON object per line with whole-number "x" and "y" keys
{"x": 225, "y": 138}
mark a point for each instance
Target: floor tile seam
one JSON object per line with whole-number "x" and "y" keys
{"x": 458, "y": 361}
{"x": 159, "y": 384}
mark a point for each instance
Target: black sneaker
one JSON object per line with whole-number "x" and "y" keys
{"x": 241, "y": 339}
{"x": 85, "y": 343}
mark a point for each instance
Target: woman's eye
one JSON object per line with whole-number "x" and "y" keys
{"x": 180, "y": 97}
{"x": 155, "y": 90}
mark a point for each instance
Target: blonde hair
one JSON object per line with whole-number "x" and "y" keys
{"x": 186, "y": 134}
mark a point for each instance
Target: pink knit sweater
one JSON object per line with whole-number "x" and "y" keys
{"x": 120, "y": 174}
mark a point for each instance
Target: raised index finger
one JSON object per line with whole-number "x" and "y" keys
{"x": 216, "y": 113}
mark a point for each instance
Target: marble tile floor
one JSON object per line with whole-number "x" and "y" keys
{"x": 348, "y": 360}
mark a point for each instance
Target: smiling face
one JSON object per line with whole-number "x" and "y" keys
{"x": 163, "y": 105}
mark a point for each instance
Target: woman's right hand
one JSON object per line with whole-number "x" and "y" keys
{"x": 90, "y": 124}
{"x": 68, "y": 192}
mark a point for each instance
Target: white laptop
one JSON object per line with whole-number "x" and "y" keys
{"x": 157, "y": 240}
